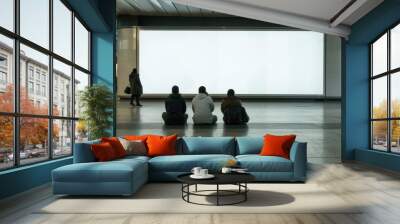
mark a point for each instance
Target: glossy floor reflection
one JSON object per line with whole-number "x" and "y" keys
{"x": 315, "y": 122}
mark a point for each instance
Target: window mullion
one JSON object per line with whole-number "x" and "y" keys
{"x": 50, "y": 81}
{"x": 389, "y": 104}
{"x": 371, "y": 140}
{"x": 16, "y": 69}
{"x": 73, "y": 82}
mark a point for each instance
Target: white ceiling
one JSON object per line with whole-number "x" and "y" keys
{"x": 160, "y": 8}
{"x": 321, "y": 9}
{"x": 327, "y": 16}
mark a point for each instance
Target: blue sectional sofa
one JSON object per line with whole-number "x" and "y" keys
{"x": 125, "y": 176}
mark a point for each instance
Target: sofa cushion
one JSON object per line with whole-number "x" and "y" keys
{"x": 103, "y": 152}
{"x": 83, "y": 152}
{"x": 275, "y": 145}
{"x": 207, "y": 145}
{"x": 134, "y": 157}
{"x": 116, "y": 145}
{"x": 185, "y": 163}
{"x": 257, "y": 163}
{"x": 112, "y": 171}
{"x": 136, "y": 137}
{"x": 135, "y": 147}
{"x": 161, "y": 145}
{"x": 249, "y": 145}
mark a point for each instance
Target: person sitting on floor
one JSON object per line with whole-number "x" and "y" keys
{"x": 175, "y": 107}
{"x": 203, "y": 106}
{"x": 234, "y": 112}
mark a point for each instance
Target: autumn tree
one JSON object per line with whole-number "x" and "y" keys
{"x": 380, "y": 127}
{"x": 33, "y": 131}
{"x": 395, "y": 123}
{"x": 6, "y": 122}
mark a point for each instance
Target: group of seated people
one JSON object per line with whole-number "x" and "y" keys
{"x": 203, "y": 106}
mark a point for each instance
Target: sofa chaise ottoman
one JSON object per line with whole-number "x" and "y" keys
{"x": 125, "y": 176}
{"x": 88, "y": 177}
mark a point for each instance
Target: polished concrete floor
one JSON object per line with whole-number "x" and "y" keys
{"x": 376, "y": 192}
{"x": 314, "y": 122}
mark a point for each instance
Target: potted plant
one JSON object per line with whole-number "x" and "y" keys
{"x": 96, "y": 103}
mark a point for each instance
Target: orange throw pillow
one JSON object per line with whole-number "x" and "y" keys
{"x": 277, "y": 145}
{"x": 103, "y": 152}
{"x": 136, "y": 137}
{"x": 161, "y": 145}
{"x": 116, "y": 145}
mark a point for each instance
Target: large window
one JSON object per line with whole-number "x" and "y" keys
{"x": 251, "y": 62}
{"x": 385, "y": 91}
{"x": 40, "y": 80}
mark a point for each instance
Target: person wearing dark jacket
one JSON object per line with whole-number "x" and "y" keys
{"x": 136, "y": 87}
{"x": 234, "y": 112}
{"x": 175, "y": 107}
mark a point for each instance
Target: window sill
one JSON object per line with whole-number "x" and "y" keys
{"x": 30, "y": 166}
{"x": 377, "y": 158}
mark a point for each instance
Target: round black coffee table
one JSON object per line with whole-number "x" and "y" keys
{"x": 238, "y": 179}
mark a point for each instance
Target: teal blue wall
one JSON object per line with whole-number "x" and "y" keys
{"x": 380, "y": 159}
{"x": 355, "y": 102}
{"x": 90, "y": 11}
{"x": 104, "y": 53}
{"x": 103, "y": 65}
{"x": 24, "y": 178}
{"x": 99, "y": 16}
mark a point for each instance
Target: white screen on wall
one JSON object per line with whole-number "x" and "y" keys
{"x": 250, "y": 62}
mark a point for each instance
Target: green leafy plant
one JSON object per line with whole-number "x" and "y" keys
{"x": 96, "y": 102}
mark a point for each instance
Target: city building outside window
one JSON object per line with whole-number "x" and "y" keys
{"x": 37, "y": 74}
{"x": 30, "y": 87}
{"x": 44, "y": 77}
{"x": 3, "y": 72}
{"x": 43, "y": 90}
{"x": 3, "y": 61}
{"x": 3, "y": 78}
{"x": 52, "y": 134}
{"x": 30, "y": 72}
{"x": 37, "y": 89}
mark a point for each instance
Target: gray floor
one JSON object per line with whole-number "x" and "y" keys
{"x": 314, "y": 122}
{"x": 374, "y": 191}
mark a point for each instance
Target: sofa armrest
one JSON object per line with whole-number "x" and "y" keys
{"x": 298, "y": 155}
{"x": 83, "y": 152}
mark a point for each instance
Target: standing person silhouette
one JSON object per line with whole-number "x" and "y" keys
{"x": 136, "y": 87}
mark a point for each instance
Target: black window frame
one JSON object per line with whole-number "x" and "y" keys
{"x": 16, "y": 115}
{"x": 388, "y": 74}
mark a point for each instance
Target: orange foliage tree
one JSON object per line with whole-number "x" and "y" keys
{"x": 380, "y": 128}
{"x": 33, "y": 131}
{"x": 6, "y": 122}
